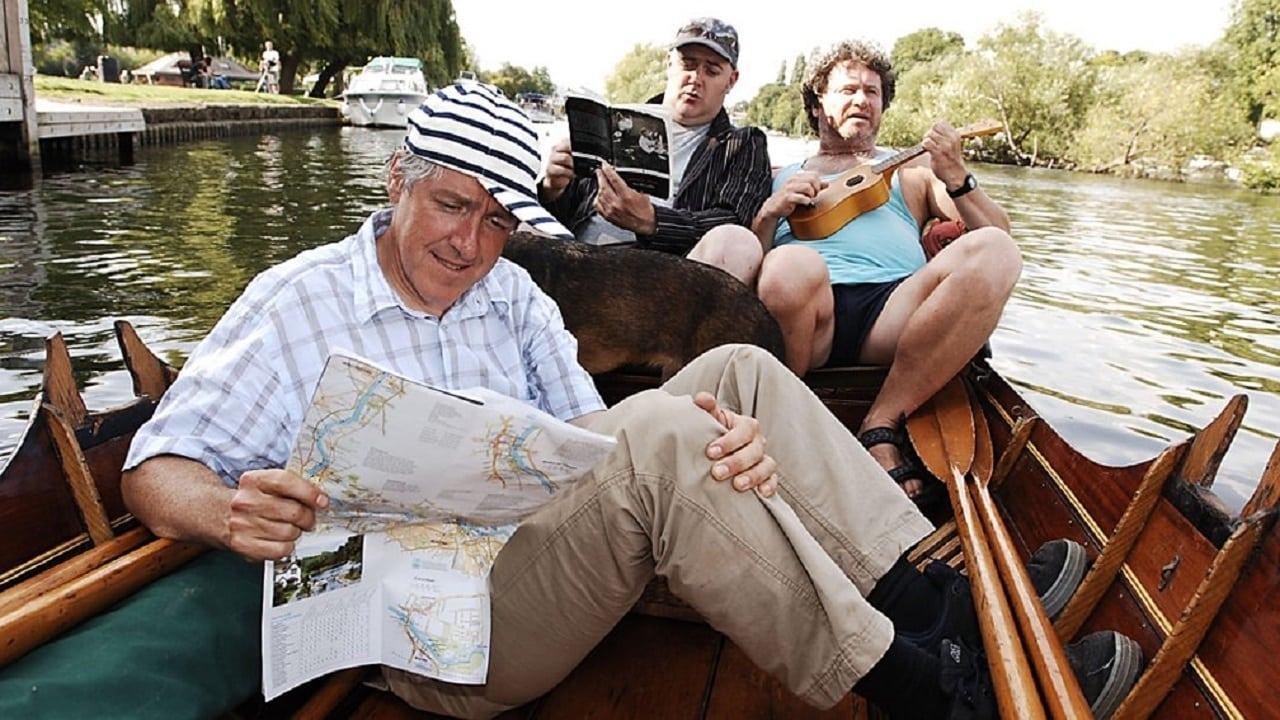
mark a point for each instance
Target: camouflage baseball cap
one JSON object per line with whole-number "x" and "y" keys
{"x": 715, "y": 34}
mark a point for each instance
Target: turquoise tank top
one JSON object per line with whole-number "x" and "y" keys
{"x": 877, "y": 247}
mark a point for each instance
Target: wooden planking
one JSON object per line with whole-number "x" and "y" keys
{"x": 386, "y": 706}
{"x": 742, "y": 691}
{"x": 1210, "y": 444}
{"x": 334, "y": 690}
{"x": 75, "y": 470}
{"x": 646, "y": 668}
{"x": 10, "y": 41}
{"x": 1181, "y": 645}
{"x": 57, "y": 576}
{"x": 69, "y": 120}
{"x": 54, "y": 612}
{"x": 59, "y": 384}
{"x": 151, "y": 376}
{"x": 1119, "y": 545}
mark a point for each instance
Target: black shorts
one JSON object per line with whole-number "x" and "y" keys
{"x": 857, "y": 307}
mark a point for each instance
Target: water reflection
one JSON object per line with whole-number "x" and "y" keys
{"x": 1142, "y": 307}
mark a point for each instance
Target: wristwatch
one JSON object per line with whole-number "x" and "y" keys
{"x": 970, "y": 182}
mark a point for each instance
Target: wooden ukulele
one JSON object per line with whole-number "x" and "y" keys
{"x": 862, "y": 189}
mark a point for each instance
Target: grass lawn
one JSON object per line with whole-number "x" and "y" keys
{"x": 93, "y": 92}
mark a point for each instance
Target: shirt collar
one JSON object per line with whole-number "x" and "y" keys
{"x": 373, "y": 293}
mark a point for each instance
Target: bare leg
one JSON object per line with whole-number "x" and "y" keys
{"x": 796, "y": 288}
{"x": 934, "y": 323}
{"x": 732, "y": 248}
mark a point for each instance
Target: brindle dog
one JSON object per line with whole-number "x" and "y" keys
{"x": 631, "y": 307}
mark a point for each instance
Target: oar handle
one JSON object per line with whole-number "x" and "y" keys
{"x": 1061, "y": 689}
{"x": 1015, "y": 688}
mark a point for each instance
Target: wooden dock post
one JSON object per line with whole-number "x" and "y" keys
{"x": 19, "y": 134}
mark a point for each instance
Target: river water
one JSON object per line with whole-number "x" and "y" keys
{"x": 1142, "y": 307}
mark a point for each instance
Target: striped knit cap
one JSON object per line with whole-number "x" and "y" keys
{"x": 470, "y": 128}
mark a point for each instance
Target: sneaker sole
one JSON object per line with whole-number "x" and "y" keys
{"x": 1055, "y": 599}
{"x": 1124, "y": 673}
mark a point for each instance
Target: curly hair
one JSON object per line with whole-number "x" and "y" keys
{"x": 860, "y": 51}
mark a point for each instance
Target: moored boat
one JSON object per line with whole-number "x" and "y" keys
{"x": 385, "y": 92}
{"x": 1191, "y": 582}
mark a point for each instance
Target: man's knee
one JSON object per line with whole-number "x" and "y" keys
{"x": 791, "y": 277}
{"x": 991, "y": 261}
{"x": 732, "y": 248}
{"x": 667, "y": 437}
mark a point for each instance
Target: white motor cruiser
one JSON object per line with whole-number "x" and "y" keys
{"x": 385, "y": 92}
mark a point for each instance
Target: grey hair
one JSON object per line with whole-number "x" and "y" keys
{"x": 411, "y": 168}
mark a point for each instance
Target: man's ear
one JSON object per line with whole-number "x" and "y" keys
{"x": 395, "y": 181}
{"x": 733, "y": 80}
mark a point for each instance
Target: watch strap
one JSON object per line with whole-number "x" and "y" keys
{"x": 970, "y": 182}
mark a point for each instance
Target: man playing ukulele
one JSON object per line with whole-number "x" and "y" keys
{"x": 866, "y": 294}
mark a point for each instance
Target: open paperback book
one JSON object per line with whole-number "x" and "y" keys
{"x": 425, "y": 486}
{"x": 634, "y": 139}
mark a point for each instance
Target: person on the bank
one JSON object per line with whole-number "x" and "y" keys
{"x": 269, "y": 69}
{"x": 866, "y": 294}
{"x": 797, "y": 555}
{"x": 721, "y": 173}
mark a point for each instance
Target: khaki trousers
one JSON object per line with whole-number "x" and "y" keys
{"x": 784, "y": 577}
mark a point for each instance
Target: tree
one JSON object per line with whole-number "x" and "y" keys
{"x": 1038, "y": 83}
{"x": 639, "y": 75}
{"x": 923, "y": 46}
{"x": 1159, "y": 113}
{"x": 513, "y": 80}
{"x": 66, "y": 20}
{"x": 797, "y": 71}
{"x": 1253, "y": 36}
{"x": 782, "y": 73}
{"x": 332, "y": 33}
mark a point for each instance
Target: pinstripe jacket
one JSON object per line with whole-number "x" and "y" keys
{"x": 727, "y": 181}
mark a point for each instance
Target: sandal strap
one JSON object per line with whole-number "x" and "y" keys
{"x": 907, "y": 471}
{"x": 879, "y": 436}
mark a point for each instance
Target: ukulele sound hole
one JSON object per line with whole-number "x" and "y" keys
{"x": 853, "y": 181}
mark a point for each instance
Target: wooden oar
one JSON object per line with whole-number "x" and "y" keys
{"x": 1061, "y": 689}
{"x": 942, "y": 433}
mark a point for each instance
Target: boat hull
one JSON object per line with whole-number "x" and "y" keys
{"x": 373, "y": 109}
{"x": 1044, "y": 489}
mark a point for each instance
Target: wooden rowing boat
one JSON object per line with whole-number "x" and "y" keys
{"x": 1193, "y": 583}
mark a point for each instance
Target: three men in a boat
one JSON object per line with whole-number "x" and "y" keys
{"x": 796, "y": 555}
{"x": 721, "y": 173}
{"x": 866, "y": 294}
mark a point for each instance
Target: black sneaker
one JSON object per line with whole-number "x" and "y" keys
{"x": 1056, "y": 569}
{"x": 958, "y": 619}
{"x": 1107, "y": 664}
{"x": 966, "y": 680}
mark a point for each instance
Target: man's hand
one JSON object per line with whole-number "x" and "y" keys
{"x": 945, "y": 158}
{"x": 798, "y": 191}
{"x": 269, "y": 510}
{"x": 739, "y": 453}
{"x": 559, "y": 171}
{"x": 622, "y": 206}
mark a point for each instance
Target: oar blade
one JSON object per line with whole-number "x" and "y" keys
{"x": 983, "y": 450}
{"x": 926, "y": 438}
{"x": 955, "y": 419}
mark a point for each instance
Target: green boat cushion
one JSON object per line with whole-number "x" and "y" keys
{"x": 185, "y": 646}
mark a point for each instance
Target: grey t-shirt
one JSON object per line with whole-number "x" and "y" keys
{"x": 684, "y": 140}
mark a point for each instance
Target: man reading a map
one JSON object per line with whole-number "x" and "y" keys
{"x": 797, "y": 554}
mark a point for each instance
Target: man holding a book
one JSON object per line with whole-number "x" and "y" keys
{"x": 719, "y": 177}
{"x": 796, "y": 555}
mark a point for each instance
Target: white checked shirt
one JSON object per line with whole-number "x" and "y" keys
{"x": 240, "y": 399}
